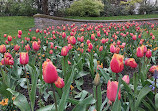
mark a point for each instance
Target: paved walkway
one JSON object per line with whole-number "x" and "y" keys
{"x": 43, "y": 21}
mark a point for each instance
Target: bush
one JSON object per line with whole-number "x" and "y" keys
{"x": 85, "y": 8}
{"x": 14, "y": 8}
{"x": 146, "y": 8}
{"x": 115, "y": 10}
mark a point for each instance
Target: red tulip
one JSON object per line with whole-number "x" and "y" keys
{"x": 116, "y": 63}
{"x": 59, "y": 83}
{"x": 2, "y": 48}
{"x": 134, "y": 37}
{"x": 90, "y": 46}
{"x": 72, "y": 40}
{"x": 100, "y": 48}
{"x": 63, "y": 35}
{"x": 64, "y": 51}
{"x": 9, "y": 38}
{"x": 112, "y": 87}
{"x": 131, "y": 62}
{"x": 153, "y": 68}
{"x": 19, "y": 32}
{"x": 148, "y": 54}
{"x": 112, "y": 48}
{"x": 140, "y": 52}
{"x": 50, "y": 74}
{"x": 27, "y": 47}
{"x": 92, "y": 36}
{"x": 35, "y": 46}
{"x": 16, "y": 47}
{"x": 24, "y": 58}
{"x": 51, "y": 52}
{"x": 126, "y": 79}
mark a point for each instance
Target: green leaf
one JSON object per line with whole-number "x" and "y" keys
{"x": 47, "y": 108}
{"x": 66, "y": 90}
{"x": 81, "y": 106}
{"x": 99, "y": 97}
{"x": 3, "y": 90}
{"x": 156, "y": 101}
{"x": 20, "y": 101}
{"x": 81, "y": 74}
{"x": 73, "y": 101}
{"x": 34, "y": 78}
{"x": 79, "y": 83}
{"x": 143, "y": 92}
{"x": 104, "y": 74}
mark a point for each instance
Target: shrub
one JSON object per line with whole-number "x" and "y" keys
{"x": 19, "y": 8}
{"x": 148, "y": 8}
{"x": 85, "y": 8}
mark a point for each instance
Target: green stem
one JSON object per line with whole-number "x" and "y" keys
{"x": 56, "y": 108}
{"x": 96, "y": 98}
{"x": 155, "y": 87}
{"x": 28, "y": 87}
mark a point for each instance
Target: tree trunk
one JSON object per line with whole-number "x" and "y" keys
{"x": 45, "y": 6}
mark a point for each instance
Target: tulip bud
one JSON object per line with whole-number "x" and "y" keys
{"x": 126, "y": 79}
{"x": 112, "y": 48}
{"x": 51, "y": 52}
{"x": 63, "y": 35}
{"x": 116, "y": 63}
{"x": 112, "y": 87}
{"x": 35, "y": 46}
{"x": 72, "y": 40}
{"x": 96, "y": 79}
{"x": 92, "y": 36}
{"x": 2, "y": 48}
{"x": 59, "y": 83}
{"x": 153, "y": 68}
{"x": 100, "y": 48}
{"x": 131, "y": 62}
{"x": 16, "y": 47}
{"x": 24, "y": 58}
{"x": 140, "y": 52}
{"x": 27, "y": 47}
{"x": 64, "y": 51}
{"x": 19, "y": 32}
{"x": 148, "y": 54}
{"x": 90, "y": 46}
{"x": 50, "y": 74}
{"x": 9, "y": 38}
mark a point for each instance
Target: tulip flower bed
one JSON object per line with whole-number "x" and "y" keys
{"x": 92, "y": 67}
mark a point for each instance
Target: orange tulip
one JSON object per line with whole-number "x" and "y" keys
{"x": 131, "y": 62}
{"x": 50, "y": 74}
{"x": 116, "y": 63}
{"x": 112, "y": 90}
{"x": 2, "y": 48}
{"x": 59, "y": 83}
{"x": 24, "y": 58}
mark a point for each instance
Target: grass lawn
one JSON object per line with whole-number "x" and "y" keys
{"x": 117, "y": 17}
{"x": 10, "y": 25}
